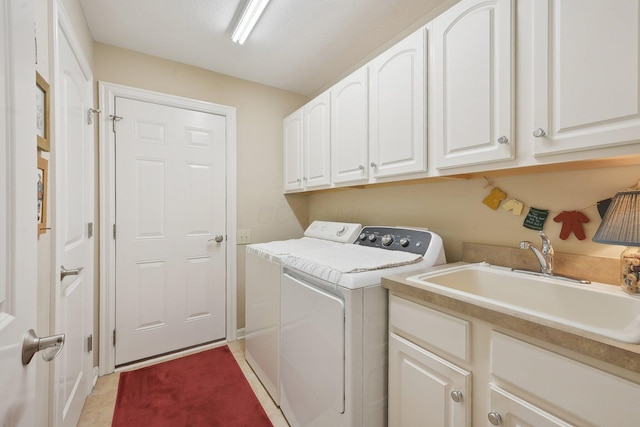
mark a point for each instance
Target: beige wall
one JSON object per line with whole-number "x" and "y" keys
{"x": 455, "y": 211}
{"x": 261, "y": 206}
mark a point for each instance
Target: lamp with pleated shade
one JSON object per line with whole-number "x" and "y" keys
{"x": 621, "y": 226}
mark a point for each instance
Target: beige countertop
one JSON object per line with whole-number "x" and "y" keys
{"x": 612, "y": 352}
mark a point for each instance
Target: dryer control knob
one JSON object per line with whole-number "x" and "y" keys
{"x": 372, "y": 237}
{"x": 387, "y": 239}
{"x": 404, "y": 242}
{"x": 362, "y": 236}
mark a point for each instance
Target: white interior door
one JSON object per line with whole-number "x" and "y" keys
{"x": 170, "y": 228}
{"x": 17, "y": 212}
{"x": 73, "y": 151}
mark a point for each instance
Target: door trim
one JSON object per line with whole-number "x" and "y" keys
{"x": 106, "y": 94}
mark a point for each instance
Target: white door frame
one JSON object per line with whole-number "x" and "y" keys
{"x": 107, "y": 93}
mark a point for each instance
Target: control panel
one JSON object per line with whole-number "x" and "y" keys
{"x": 343, "y": 232}
{"x": 395, "y": 238}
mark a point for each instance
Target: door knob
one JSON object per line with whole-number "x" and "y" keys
{"x": 219, "y": 238}
{"x": 70, "y": 272}
{"x": 31, "y": 344}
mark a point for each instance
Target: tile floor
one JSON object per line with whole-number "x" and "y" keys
{"x": 98, "y": 409}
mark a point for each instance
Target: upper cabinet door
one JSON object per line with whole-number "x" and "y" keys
{"x": 471, "y": 84}
{"x": 349, "y": 133}
{"x": 397, "y": 110}
{"x": 586, "y": 90}
{"x": 317, "y": 142}
{"x": 293, "y": 151}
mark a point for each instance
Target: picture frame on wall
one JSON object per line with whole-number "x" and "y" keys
{"x": 42, "y": 113}
{"x": 42, "y": 183}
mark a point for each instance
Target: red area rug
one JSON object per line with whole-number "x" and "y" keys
{"x": 202, "y": 389}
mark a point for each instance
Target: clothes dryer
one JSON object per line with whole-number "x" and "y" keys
{"x": 262, "y": 294}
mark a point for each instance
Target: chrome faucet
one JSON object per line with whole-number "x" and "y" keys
{"x": 544, "y": 255}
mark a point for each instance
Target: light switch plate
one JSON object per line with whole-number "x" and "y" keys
{"x": 243, "y": 237}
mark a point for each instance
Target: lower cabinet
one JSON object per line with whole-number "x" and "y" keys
{"x": 424, "y": 389}
{"x": 515, "y": 383}
{"x": 509, "y": 410}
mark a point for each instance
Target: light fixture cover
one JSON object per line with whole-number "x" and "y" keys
{"x": 248, "y": 20}
{"x": 621, "y": 223}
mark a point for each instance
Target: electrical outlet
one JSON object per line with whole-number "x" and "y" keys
{"x": 243, "y": 237}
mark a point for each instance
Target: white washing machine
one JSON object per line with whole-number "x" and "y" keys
{"x": 262, "y": 294}
{"x": 334, "y": 327}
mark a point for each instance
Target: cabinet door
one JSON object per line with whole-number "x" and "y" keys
{"x": 349, "y": 133}
{"x": 586, "y": 75}
{"x": 293, "y": 151}
{"x": 317, "y": 142}
{"x": 396, "y": 114}
{"x": 424, "y": 389}
{"x": 510, "y": 411}
{"x": 471, "y": 84}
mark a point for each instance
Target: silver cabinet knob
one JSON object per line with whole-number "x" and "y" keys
{"x": 373, "y": 165}
{"x": 361, "y": 167}
{"x": 495, "y": 418}
{"x": 538, "y": 133}
{"x": 31, "y": 344}
{"x": 503, "y": 140}
{"x": 456, "y": 396}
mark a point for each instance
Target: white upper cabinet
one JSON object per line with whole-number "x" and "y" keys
{"x": 292, "y": 130}
{"x": 349, "y": 129}
{"x": 471, "y": 84}
{"x": 586, "y": 89}
{"x": 307, "y": 150}
{"x": 397, "y": 109}
{"x": 317, "y": 142}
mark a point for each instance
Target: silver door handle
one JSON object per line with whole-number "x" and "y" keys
{"x": 70, "y": 272}
{"x": 31, "y": 344}
{"x": 219, "y": 238}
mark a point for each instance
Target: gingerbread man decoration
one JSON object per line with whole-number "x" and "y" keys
{"x": 571, "y": 223}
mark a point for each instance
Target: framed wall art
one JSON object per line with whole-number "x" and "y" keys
{"x": 42, "y": 113}
{"x": 42, "y": 180}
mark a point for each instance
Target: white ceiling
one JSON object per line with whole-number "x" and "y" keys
{"x": 297, "y": 45}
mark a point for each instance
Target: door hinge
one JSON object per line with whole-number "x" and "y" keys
{"x": 90, "y": 113}
{"x": 114, "y": 232}
{"x": 114, "y": 119}
{"x": 90, "y": 343}
{"x": 114, "y": 337}
{"x": 90, "y": 230}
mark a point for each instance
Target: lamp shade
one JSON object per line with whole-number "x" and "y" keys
{"x": 621, "y": 223}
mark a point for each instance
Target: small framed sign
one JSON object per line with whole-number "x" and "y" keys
{"x": 42, "y": 113}
{"x": 42, "y": 180}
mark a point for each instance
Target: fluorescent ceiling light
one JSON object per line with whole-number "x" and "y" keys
{"x": 248, "y": 20}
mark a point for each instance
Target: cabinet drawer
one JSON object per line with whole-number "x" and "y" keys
{"x": 585, "y": 392}
{"x": 430, "y": 328}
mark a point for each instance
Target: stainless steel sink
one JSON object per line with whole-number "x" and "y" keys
{"x": 598, "y": 308}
